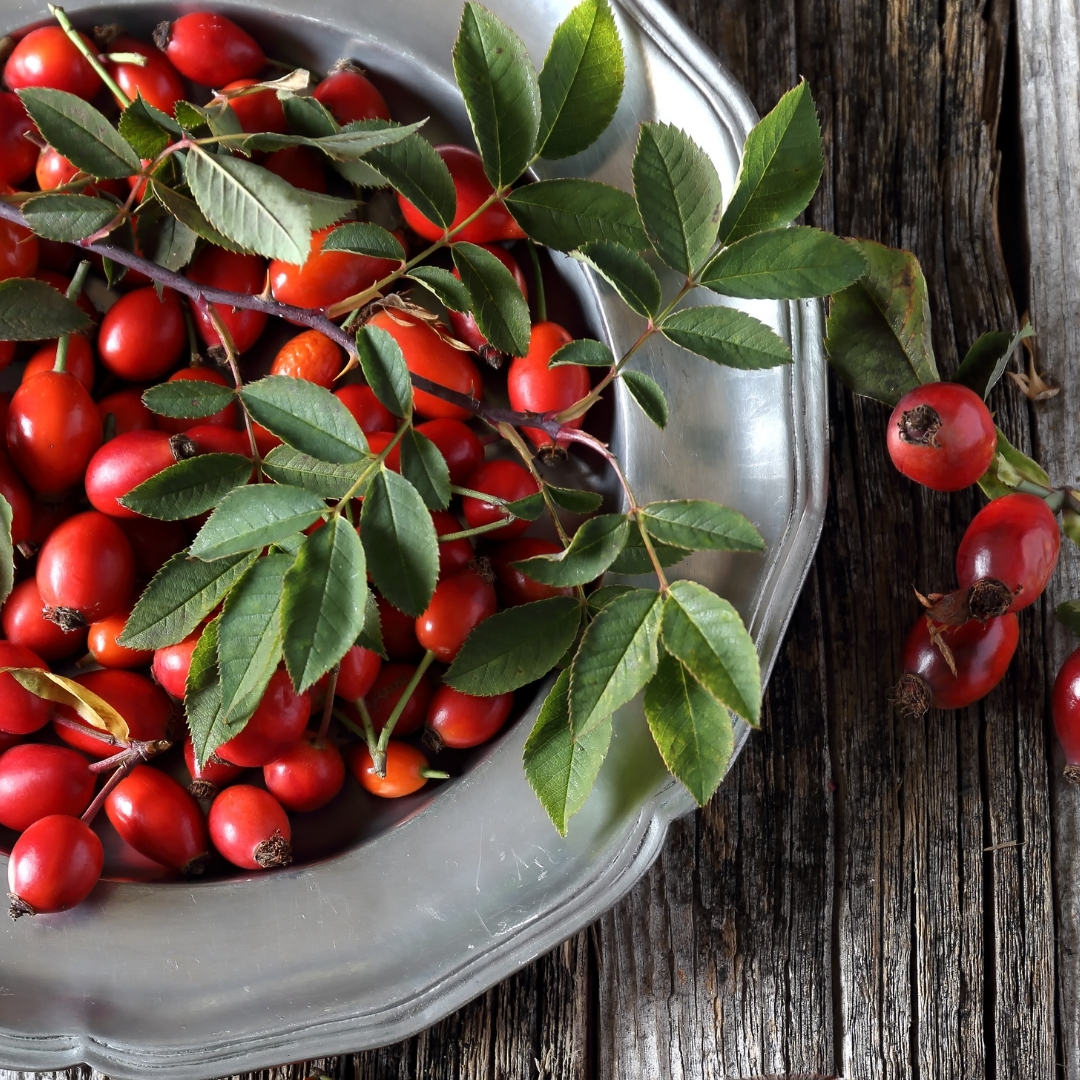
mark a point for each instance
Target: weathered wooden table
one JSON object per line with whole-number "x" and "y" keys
{"x": 867, "y": 896}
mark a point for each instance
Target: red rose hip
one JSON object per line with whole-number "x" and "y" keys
{"x": 250, "y": 828}
{"x": 53, "y": 866}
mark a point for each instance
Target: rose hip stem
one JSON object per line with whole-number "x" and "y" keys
{"x": 78, "y": 279}
{"x": 378, "y": 755}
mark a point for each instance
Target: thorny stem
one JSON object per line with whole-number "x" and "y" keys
{"x": 230, "y": 356}
{"x": 379, "y": 757}
{"x": 78, "y": 279}
{"x": 328, "y": 707}
{"x": 60, "y": 16}
{"x": 518, "y": 443}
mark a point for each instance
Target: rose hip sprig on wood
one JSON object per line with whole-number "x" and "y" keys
{"x": 299, "y": 488}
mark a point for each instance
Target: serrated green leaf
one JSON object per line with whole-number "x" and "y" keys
{"x": 987, "y": 359}
{"x": 565, "y": 213}
{"x": 324, "y": 210}
{"x": 446, "y": 288}
{"x": 701, "y": 525}
{"x": 371, "y": 636}
{"x": 249, "y": 638}
{"x": 878, "y": 330}
{"x": 530, "y": 508}
{"x": 561, "y": 769}
{"x": 364, "y": 238}
{"x": 400, "y": 542}
{"x": 188, "y": 399}
{"x": 142, "y": 129}
{"x": 189, "y": 117}
{"x": 627, "y": 273}
{"x": 585, "y": 352}
{"x": 182, "y": 593}
{"x": 634, "y": 559}
{"x": 32, "y": 310}
{"x": 647, "y": 393}
{"x": 189, "y": 487}
{"x": 7, "y": 551}
{"x": 327, "y": 480}
{"x": 251, "y": 517}
{"x": 250, "y": 205}
{"x": 165, "y": 239}
{"x": 497, "y": 79}
{"x": 384, "y": 368}
{"x": 678, "y": 195}
{"x": 496, "y": 300}
{"x": 68, "y": 218}
{"x": 1068, "y": 614}
{"x": 574, "y": 500}
{"x": 1008, "y": 468}
{"x": 308, "y": 117}
{"x": 202, "y": 697}
{"x": 616, "y": 658}
{"x": 423, "y": 465}
{"x": 705, "y": 633}
{"x": 515, "y": 647}
{"x": 415, "y": 169}
{"x": 600, "y": 598}
{"x": 187, "y": 212}
{"x": 347, "y": 144}
{"x": 692, "y": 731}
{"x": 75, "y": 129}
{"x": 727, "y": 336}
{"x": 307, "y": 417}
{"x": 581, "y": 81}
{"x": 592, "y": 550}
{"x": 785, "y": 264}
{"x": 781, "y": 167}
{"x": 324, "y": 601}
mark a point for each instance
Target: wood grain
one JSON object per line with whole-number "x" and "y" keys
{"x": 867, "y": 896}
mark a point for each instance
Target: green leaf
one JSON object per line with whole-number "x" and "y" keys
{"x": 75, "y": 129}
{"x": 785, "y": 264}
{"x": 306, "y": 416}
{"x": 307, "y": 116}
{"x": 987, "y": 359}
{"x": 878, "y": 331}
{"x": 574, "y": 500}
{"x": 347, "y": 144}
{"x": 565, "y": 213}
{"x": 627, "y": 273}
{"x": 727, "y": 336}
{"x": 384, "y": 368}
{"x": 324, "y": 210}
{"x": 188, "y": 213}
{"x": 1068, "y": 614}
{"x": 189, "y": 487}
{"x": 585, "y": 352}
{"x": 446, "y": 288}
{"x": 189, "y": 117}
{"x": 678, "y": 195}
{"x": 202, "y": 697}
{"x": 561, "y": 769}
{"x": 647, "y": 393}
{"x": 363, "y": 238}
{"x": 781, "y": 166}
{"x": 581, "y": 81}
{"x": 423, "y": 465}
{"x": 634, "y": 559}
{"x": 600, "y": 598}
{"x": 371, "y": 636}
{"x": 165, "y": 239}
{"x": 1008, "y": 469}
{"x": 530, "y": 508}
{"x": 249, "y": 638}
{"x": 591, "y": 552}
{"x": 68, "y": 218}
{"x": 400, "y": 541}
{"x": 498, "y": 81}
{"x": 143, "y": 130}
{"x": 415, "y": 169}
{"x": 188, "y": 399}
{"x": 329, "y": 481}
{"x": 7, "y": 551}
{"x": 182, "y": 593}
{"x": 701, "y": 525}
{"x": 692, "y": 731}
{"x": 1070, "y": 525}
{"x": 501, "y": 310}
{"x": 32, "y": 310}
{"x": 250, "y": 205}
{"x": 253, "y": 516}
{"x": 616, "y": 658}
{"x": 324, "y": 601}
{"x": 705, "y": 632}
{"x": 515, "y": 647}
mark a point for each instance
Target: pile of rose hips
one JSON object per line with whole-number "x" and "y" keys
{"x": 79, "y": 437}
{"x": 942, "y": 435}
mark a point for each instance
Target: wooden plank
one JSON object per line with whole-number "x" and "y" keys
{"x": 1049, "y": 117}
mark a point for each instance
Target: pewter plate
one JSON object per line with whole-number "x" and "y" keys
{"x": 450, "y": 891}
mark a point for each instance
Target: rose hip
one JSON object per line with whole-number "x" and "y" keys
{"x": 1065, "y": 708}
{"x": 208, "y": 780}
{"x": 407, "y": 770}
{"x": 307, "y": 776}
{"x": 38, "y": 779}
{"x": 20, "y": 711}
{"x": 125, "y": 462}
{"x": 277, "y": 723}
{"x": 249, "y": 827}
{"x": 53, "y": 866}
{"x": 24, "y": 624}
{"x": 461, "y": 720}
